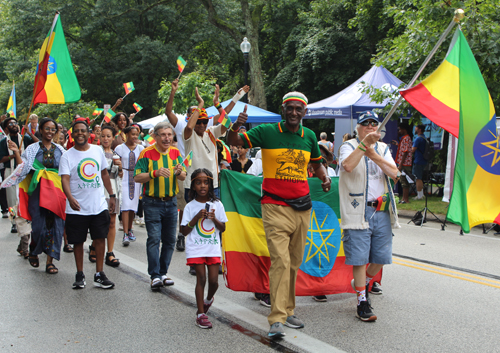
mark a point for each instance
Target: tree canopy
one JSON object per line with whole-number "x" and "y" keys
{"x": 317, "y": 47}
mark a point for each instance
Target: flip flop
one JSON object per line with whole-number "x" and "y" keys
{"x": 51, "y": 269}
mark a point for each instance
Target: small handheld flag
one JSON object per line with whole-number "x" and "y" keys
{"x": 383, "y": 202}
{"x": 129, "y": 87}
{"x": 149, "y": 139}
{"x": 70, "y": 138}
{"x": 98, "y": 111}
{"x": 181, "y": 63}
{"x": 188, "y": 160}
{"x": 109, "y": 115}
{"x": 137, "y": 107}
{"x": 11, "y": 106}
{"x": 224, "y": 119}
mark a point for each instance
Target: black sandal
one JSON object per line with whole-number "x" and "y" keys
{"x": 114, "y": 262}
{"x": 51, "y": 269}
{"x": 92, "y": 257}
{"x": 33, "y": 259}
{"x": 68, "y": 248}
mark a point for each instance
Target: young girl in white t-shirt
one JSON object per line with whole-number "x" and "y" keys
{"x": 203, "y": 217}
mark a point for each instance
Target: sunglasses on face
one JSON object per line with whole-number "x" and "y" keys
{"x": 372, "y": 123}
{"x": 202, "y": 122}
{"x": 12, "y": 123}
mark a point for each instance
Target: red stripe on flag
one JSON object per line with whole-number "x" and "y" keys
{"x": 246, "y": 272}
{"x": 52, "y": 198}
{"x": 435, "y": 110}
{"x": 22, "y": 210}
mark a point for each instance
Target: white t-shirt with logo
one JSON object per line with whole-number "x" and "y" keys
{"x": 204, "y": 240}
{"x": 84, "y": 169}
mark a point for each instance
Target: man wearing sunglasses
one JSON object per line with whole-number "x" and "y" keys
{"x": 8, "y": 158}
{"x": 366, "y": 164}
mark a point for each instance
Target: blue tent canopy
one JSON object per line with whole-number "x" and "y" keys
{"x": 255, "y": 114}
{"x": 349, "y": 102}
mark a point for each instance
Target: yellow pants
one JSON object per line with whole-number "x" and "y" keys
{"x": 286, "y": 233}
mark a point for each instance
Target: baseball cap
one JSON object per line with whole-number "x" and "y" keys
{"x": 367, "y": 115}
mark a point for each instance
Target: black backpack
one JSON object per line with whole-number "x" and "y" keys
{"x": 429, "y": 150}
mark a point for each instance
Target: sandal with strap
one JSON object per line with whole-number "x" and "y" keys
{"x": 51, "y": 269}
{"x": 92, "y": 257}
{"x": 114, "y": 262}
{"x": 68, "y": 248}
{"x": 24, "y": 254}
{"x": 33, "y": 259}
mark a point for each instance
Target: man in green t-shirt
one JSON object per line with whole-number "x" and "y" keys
{"x": 287, "y": 148}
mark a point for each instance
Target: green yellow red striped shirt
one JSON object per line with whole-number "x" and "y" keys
{"x": 285, "y": 156}
{"x": 150, "y": 160}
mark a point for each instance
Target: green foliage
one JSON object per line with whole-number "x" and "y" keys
{"x": 185, "y": 94}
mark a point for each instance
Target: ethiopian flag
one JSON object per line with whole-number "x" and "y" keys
{"x": 97, "y": 111}
{"x": 11, "y": 105}
{"x": 246, "y": 257}
{"x": 137, "y": 107}
{"x": 52, "y": 196}
{"x": 181, "y": 63}
{"x": 109, "y": 115}
{"x": 55, "y": 80}
{"x": 149, "y": 139}
{"x": 224, "y": 119}
{"x": 129, "y": 87}
{"x": 476, "y": 191}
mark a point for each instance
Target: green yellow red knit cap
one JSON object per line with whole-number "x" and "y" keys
{"x": 295, "y": 96}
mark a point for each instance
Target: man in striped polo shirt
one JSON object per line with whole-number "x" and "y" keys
{"x": 159, "y": 168}
{"x": 287, "y": 148}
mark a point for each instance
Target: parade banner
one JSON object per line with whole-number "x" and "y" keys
{"x": 245, "y": 253}
{"x": 476, "y": 188}
{"x": 55, "y": 80}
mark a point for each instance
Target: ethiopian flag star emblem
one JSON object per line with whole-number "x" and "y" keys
{"x": 55, "y": 80}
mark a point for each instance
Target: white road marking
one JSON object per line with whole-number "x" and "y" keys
{"x": 294, "y": 337}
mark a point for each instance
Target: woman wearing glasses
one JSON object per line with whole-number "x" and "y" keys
{"x": 47, "y": 225}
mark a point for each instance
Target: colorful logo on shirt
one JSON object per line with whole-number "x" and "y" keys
{"x": 88, "y": 170}
{"x": 204, "y": 231}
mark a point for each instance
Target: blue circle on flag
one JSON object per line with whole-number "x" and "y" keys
{"x": 487, "y": 148}
{"x": 52, "y": 66}
{"x": 323, "y": 241}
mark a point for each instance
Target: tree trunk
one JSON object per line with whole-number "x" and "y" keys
{"x": 257, "y": 94}
{"x": 251, "y": 18}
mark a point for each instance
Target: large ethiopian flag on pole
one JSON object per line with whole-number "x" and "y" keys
{"x": 245, "y": 253}
{"x": 476, "y": 188}
{"x": 55, "y": 80}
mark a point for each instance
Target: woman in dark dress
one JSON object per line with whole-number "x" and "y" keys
{"x": 242, "y": 164}
{"x": 47, "y": 227}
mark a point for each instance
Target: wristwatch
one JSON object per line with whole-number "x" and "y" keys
{"x": 112, "y": 195}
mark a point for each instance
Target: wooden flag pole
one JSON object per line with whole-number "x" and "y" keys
{"x": 458, "y": 16}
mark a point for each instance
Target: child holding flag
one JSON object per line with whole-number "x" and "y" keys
{"x": 202, "y": 217}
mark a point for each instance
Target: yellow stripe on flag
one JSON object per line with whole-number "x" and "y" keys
{"x": 249, "y": 236}
{"x": 446, "y": 91}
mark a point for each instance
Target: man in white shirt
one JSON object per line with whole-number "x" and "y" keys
{"x": 179, "y": 126}
{"x": 83, "y": 171}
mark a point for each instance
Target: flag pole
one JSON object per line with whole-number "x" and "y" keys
{"x": 458, "y": 16}
{"x": 37, "y": 75}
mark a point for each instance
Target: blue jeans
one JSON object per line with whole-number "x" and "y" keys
{"x": 161, "y": 225}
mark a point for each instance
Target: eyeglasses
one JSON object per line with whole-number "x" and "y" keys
{"x": 48, "y": 129}
{"x": 77, "y": 131}
{"x": 372, "y": 123}
{"x": 202, "y": 122}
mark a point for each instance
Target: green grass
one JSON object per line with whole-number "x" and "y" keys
{"x": 434, "y": 204}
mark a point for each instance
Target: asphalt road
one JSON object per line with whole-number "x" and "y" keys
{"x": 441, "y": 294}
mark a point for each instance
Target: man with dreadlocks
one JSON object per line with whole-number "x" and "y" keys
{"x": 287, "y": 148}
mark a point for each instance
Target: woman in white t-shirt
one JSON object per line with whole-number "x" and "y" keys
{"x": 203, "y": 217}
{"x": 129, "y": 153}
